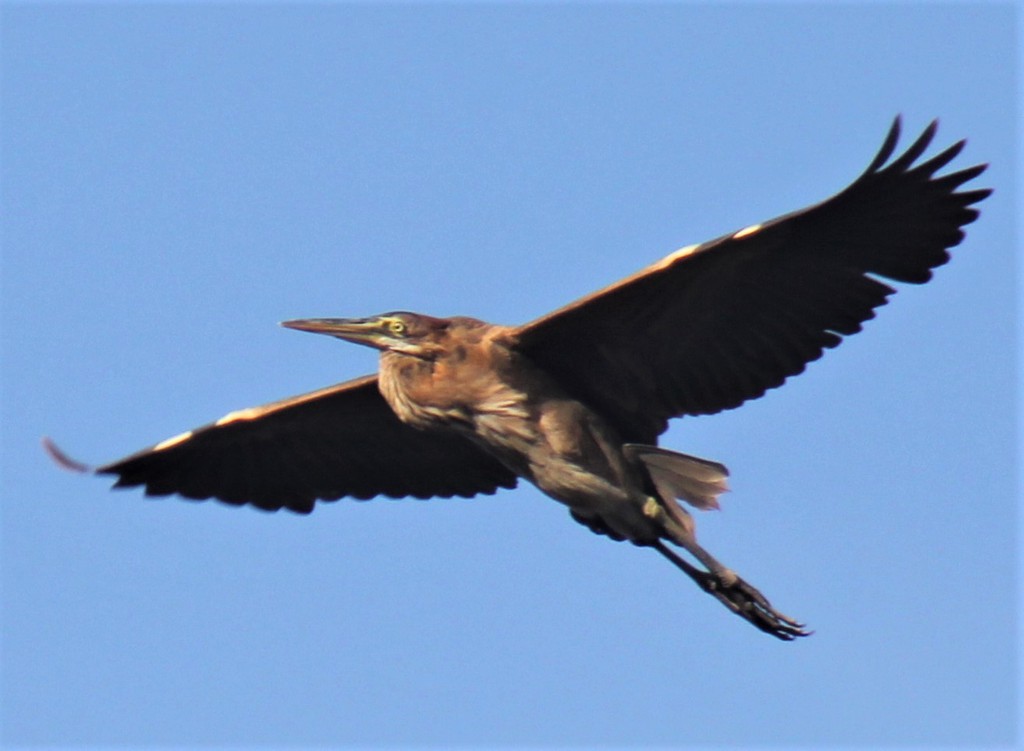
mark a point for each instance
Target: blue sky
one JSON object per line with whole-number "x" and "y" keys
{"x": 177, "y": 178}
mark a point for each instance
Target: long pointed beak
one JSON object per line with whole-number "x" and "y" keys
{"x": 358, "y": 330}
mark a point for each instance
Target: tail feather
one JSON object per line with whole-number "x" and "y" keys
{"x": 697, "y": 481}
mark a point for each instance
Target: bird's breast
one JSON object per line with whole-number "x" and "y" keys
{"x": 457, "y": 392}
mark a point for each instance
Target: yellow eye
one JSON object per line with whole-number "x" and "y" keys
{"x": 397, "y": 328}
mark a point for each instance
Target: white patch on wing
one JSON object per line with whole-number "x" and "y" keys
{"x": 675, "y": 256}
{"x": 250, "y": 413}
{"x": 746, "y": 231}
{"x": 173, "y": 441}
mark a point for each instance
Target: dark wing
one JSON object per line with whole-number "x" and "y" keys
{"x": 715, "y": 324}
{"x": 343, "y": 440}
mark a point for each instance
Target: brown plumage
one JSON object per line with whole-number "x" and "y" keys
{"x": 574, "y": 402}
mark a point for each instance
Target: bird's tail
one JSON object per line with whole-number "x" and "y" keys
{"x": 697, "y": 481}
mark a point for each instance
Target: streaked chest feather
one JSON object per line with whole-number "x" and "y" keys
{"x": 516, "y": 413}
{"x": 464, "y": 390}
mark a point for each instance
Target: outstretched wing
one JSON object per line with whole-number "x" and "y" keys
{"x": 343, "y": 440}
{"x": 713, "y": 325}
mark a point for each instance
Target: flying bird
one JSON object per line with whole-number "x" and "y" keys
{"x": 574, "y": 401}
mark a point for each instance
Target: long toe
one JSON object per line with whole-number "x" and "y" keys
{"x": 748, "y": 603}
{"x": 739, "y": 596}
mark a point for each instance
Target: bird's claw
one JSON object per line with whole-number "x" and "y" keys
{"x": 747, "y": 602}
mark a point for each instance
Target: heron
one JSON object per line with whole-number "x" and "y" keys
{"x": 574, "y": 402}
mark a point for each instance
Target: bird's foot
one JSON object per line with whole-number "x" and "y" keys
{"x": 736, "y": 594}
{"x": 747, "y": 602}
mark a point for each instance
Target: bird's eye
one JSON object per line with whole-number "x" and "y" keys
{"x": 397, "y": 328}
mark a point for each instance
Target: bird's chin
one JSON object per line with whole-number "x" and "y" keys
{"x": 413, "y": 350}
{"x": 363, "y": 341}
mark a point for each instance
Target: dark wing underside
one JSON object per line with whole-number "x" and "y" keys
{"x": 716, "y": 324}
{"x": 343, "y": 440}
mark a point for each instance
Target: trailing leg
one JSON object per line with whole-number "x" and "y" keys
{"x": 741, "y": 598}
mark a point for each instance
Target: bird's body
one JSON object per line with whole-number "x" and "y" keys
{"x": 477, "y": 383}
{"x": 574, "y": 401}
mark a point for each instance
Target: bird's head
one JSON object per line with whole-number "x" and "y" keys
{"x": 407, "y": 333}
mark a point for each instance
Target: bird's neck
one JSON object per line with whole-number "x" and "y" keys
{"x": 452, "y": 389}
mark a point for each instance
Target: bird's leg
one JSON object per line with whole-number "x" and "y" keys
{"x": 737, "y": 595}
{"x": 732, "y": 591}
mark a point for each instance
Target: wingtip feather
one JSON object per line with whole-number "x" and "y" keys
{"x": 62, "y": 460}
{"x": 888, "y": 146}
{"x": 917, "y": 148}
